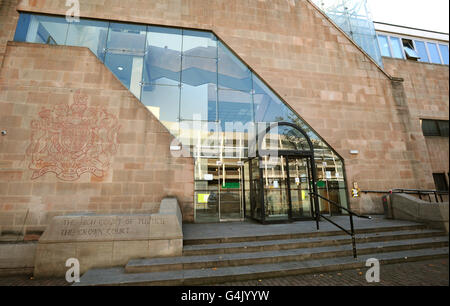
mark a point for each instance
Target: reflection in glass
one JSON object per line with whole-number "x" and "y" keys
{"x": 163, "y": 101}
{"x": 47, "y": 30}
{"x": 299, "y": 183}
{"x": 422, "y": 50}
{"x": 198, "y": 93}
{"x": 89, "y": 33}
{"x": 268, "y": 107}
{"x": 199, "y": 44}
{"x": 396, "y": 47}
{"x": 285, "y": 138}
{"x": 384, "y": 45}
{"x": 126, "y": 38}
{"x": 275, "y": 189}
{"x": 233, "y": 73}
{"x": 206, "y": 196}
{"x": 23, "y": 25}
{"x": 235, "y": 106}
{"x": 434, "y": 53}
{"x": 444, "y": 53}
{"x": 128, "y": 69}
{"x": 163, "y": 56}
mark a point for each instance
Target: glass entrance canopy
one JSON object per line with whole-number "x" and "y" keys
{"x": 208, "y": 98}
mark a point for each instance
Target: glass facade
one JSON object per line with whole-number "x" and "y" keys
{"x": 215, "y": 105}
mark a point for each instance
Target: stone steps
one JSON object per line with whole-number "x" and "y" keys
{"x": 222, "y": 259}
{"x": 286, "y": 244}
{"x": 119, "y": 277}
{"x": 309, "y": 234}
{"x": 266, "y": 257}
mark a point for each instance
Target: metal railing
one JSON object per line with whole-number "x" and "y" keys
{"x": 421, "y": 193}
{"x": 350, "y": 232}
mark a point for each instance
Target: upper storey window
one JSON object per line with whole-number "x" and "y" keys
{"x": 413, "y": 49}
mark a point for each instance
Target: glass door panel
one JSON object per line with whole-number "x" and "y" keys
{"x": 230, "y": 192}
{"x": 255, "y": 190}
{"x": 276, "y": 198}
{"x": 206, "y": 197}
{"x": 300, "y": 184}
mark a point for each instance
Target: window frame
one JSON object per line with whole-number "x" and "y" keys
{"x": 414, "y": 39}
{"x": 444, "y": 177}
{"x": 436, "y": 122}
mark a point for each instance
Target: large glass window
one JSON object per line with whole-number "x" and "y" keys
{"x": 434, "y": 53}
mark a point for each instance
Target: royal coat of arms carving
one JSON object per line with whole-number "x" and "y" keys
{"x": 70, "y": 140}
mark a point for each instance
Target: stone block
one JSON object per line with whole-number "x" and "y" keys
{"x": 99, "y": 241}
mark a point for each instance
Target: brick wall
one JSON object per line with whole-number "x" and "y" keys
{"x": 40, "y": 87}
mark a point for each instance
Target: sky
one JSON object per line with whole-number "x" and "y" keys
{"x": 423, "y": 14}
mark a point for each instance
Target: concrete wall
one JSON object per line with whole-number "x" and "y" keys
{"x": 326, "y": 78}
{"x": 407, "y": 207}
{"x": 51, "y": 98}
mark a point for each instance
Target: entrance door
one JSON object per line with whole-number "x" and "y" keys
{"x": 231, "y": 197}
{"x": 300, "y": 187}
{"x": 287, "y": 183}
{"x": 276, "y": 196}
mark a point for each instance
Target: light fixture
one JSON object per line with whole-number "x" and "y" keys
{"x": 354, "y": 152}
{"x": 120, "y": 68}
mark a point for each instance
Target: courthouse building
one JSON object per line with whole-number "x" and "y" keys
{"x": 238, "y": 108}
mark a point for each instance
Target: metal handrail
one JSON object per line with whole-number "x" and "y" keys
{"x": 351, "y": 214}
{"x": 418, "y": 192}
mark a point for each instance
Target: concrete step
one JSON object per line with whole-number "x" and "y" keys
{"x": 286, "y": 244}
{"x": 202, "y": 276}
{"x": 311, "y": 234}
{"x": 279, "y": 256}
